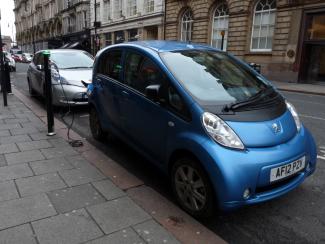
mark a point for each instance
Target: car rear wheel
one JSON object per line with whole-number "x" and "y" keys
{"x": 95, "y": 127}
{"x": 30, "y": 88}
{"x": 192, "y": 188}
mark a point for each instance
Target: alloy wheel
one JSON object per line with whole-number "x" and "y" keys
{"x": 190, "y": 188}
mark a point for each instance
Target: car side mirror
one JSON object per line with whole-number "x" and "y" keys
{"x": 152, "y": 92}
{"x": 86, "y": 83}
{"x": 40, "y": 67}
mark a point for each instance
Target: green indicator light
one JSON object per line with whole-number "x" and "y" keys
{"x": 46, "y": 53}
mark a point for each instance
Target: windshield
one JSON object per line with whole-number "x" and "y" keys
{"x": 72, "y": 60}
{"x": 213, "y": 77}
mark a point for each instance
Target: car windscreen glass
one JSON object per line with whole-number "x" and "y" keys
{"x": 212, "y": 77}
{"x": 72, "y": 60}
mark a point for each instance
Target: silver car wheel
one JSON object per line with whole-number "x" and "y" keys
{"x": 190, "y": 187}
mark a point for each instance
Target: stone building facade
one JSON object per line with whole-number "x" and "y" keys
{"x": 287, "y": 37}
{"x": 42, "y": 24}
{"x": 126, "y": 20}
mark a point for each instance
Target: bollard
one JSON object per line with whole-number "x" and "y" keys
{"x": 3, "y": 82}
{"x": 7, "y": 77}
{"x": 48, "y": 95}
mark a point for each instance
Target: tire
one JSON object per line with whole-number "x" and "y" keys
{"x": 193, "y": 191}
{"x": 95, "y": 127}
{"x": 30, "y": 88}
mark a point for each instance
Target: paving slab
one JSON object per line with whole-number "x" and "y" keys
{"x": 19, "y": 234}
{"x": 22, "y": 131}
{"x": 24, "y": 210}
{"x": 4, "y": 133}
{"x": 9, "y": 126}
{"x": 8, "y": 148}
{"x": 16, "y": 121}
{"x": 50, "y": 165}
{"x": 15, "y": 171}
{"x": 117, "y": 214}
{"x": 14, "y": 139}
{"x": 24, "y": 157}
{"x": 73, "y": 198}
{"x": 58, "y": 152}
{"x": 125, "y": 236}
{"x": 40, "y": 136}
{"x": 2, "y": 160}
{"x": 40, "y": 183}
{"x": 74, "y": 177}
{"x": 69, "y": 228}
{"x": 59, "y": 142}
{"x": 108, "y": 189}
{"x": 7, "y": 116}
{"x": 8, "y": 191}
{"x": 154, "y": 233}
{"x": 32, "y": 145}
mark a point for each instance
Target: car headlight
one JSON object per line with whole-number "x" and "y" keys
{"x": 220, "y": 131}
{"x": 294, "y": 114}
{"x": 57, "y": 79}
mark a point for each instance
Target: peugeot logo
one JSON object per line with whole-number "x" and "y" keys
{"x": 276, "y": 128}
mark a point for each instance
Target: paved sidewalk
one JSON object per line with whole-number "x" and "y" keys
{"x": 53, "y": 193}
{"x": 314, "y": 89}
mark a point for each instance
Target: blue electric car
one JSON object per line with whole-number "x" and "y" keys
{"x": 221, "y": 131}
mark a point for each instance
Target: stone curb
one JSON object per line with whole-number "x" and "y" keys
{"x": 185, "y": 228}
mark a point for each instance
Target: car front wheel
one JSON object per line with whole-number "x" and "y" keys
{"x": 95, "y": 126}
{"x": 192, "y": 188}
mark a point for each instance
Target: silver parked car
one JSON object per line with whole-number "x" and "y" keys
{"x": 10, "y": 60}
{"x": 68, "y": 68}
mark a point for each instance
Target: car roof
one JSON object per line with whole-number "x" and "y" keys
{"x": 166, "y": 46}
{"x": 61, "y": 50}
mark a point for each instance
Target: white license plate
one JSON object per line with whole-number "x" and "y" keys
{"x": 287, "y": 169}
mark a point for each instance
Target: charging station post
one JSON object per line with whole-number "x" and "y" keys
{"x": 48, "y": 95}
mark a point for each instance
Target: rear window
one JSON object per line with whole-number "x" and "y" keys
{"x": 212, "y": 77}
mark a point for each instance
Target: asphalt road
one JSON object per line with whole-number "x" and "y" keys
{"x": 298, "y": 217}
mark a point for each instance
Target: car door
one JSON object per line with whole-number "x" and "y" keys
{"x": 106, "y": 80}
{"x": 145, "y": 121}
{"x": 36, "y": 74}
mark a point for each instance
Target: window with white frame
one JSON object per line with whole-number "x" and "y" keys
{"x": 263, "y": 25}
{"x": 220, "y": 24}
{"x": 117, "y": 9}
{"x": 149, "y": 6}
{"x": 132, "y": 7}
{"x": 107, "y": 11}
{"x": 187, "y": 25}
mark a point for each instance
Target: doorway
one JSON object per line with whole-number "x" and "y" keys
{"x": 312, "y": 68}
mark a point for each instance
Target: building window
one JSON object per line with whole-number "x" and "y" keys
{"x": 263, "y": 25}
{"x": 187, "y": 25}
{"x": 85, "y": 19}
{"x": 149, "y": 6}
{"x": 133, "y": 35}
{"x": 132, "y": 7}
{"x": 107, "y": 11}
{"x": 117, "y": 9}
{"x": 219, "y": 25}
{"x": 119, "y": 37}
{"x": 108, "y": 39}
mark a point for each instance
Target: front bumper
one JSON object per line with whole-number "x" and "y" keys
{"x": 235, "y": 171}
{"x": 69, "y": 95}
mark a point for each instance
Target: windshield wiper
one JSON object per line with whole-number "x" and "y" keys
{"x": 250, "y": 101}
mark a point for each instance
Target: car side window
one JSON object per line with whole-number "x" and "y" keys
{"x": 141, "y": 72}
{"x": 110, "y": 64}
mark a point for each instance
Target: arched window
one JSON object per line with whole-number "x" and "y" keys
{"x": 187, "y": 25}
{"x": 263, "y": 25}
{"x": 219, "y": 25}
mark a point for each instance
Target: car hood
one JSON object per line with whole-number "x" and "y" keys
{"x": 74, "y": 76}
{"x": 266, "y": 133}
